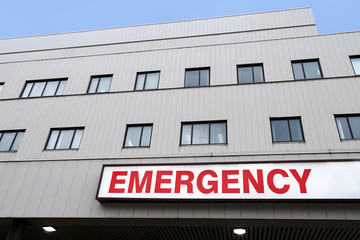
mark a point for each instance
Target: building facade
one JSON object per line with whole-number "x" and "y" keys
{"x": 255, "y": 90}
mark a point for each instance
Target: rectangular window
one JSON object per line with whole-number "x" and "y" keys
{"x": 64, "y": 138}
{"x": 203, "y": 133}
{"x": 44, "y": 88}
{"x": 250, "y": 73}
{"x": 355, "y": 61}
{"x": 10, "y": 140}
{"x": 100, "y": 84}
{"x": 348, "y": 126}
{"x": 197, "y": 77}
{"x": 306, "y": 69}
{"x": 286, "y": 129}
{"x": 138, "y": 135}
{"x": 147, "y": 80}
{"x": 1, "y": 85}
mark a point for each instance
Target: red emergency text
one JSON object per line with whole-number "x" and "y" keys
{"x": 227, "y": 181}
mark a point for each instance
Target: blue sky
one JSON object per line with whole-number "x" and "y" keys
{"x": 34, "y": 17}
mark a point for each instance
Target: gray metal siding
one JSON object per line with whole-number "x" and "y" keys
{"x": 171, "y": 43}
{"x": 71, "y": 188}
{"x": 62, "y": 183}
{"x": 276, "y": 55}
{"x": 239, "y": 23}
{"x": 247, "y": 109}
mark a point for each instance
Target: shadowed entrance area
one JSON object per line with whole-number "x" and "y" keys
{"x": 185, "y": 229}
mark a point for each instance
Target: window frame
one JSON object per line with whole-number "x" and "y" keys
{"x": 46, "y": 82}
{"x": 197, "y": 69}
{"x": 202, "y": 122}
{"x": 57, "y": 139}
{"x": 302, "y": 61}
{"x": 13, "y": 141}
{"x": 146, "y": 72}
{"x": 288, "y": 125}
{"x": 348, "y": 123}
{"x": 252, "y": 65}
{"x": 142, "y": 125}
{"x": 97, "y": 86}
{"x": 352, "y": 65}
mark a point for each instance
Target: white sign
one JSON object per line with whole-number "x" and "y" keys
{"x": 306, "y": 180}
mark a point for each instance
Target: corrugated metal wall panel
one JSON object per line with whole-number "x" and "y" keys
{"x": 42, "y": 178}
{"x": 41, "y": 186}
{"x": 71, "y": 188}
{"x": 275, "y": 19}
{"x": 52, "y": 184}
{"x": 13, "y": 187}
{"x": 246, "y": 107}
{"x": 158, "y": 45}
{"x": 275, "y": 55}
{"x": 25, "y": 190}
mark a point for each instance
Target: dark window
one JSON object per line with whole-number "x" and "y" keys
{"x": 138, "y": 135}
{"x": 100, "y": 84}
{"x": 306, "y": 69}
{"x": 44, "y": 88}
{"x": 203, "y": 133}
{"x": 355, "y": 61}
{"x": 250, "y": 73}
{"x": 286, "y": 129}
{"x": 10, "y": 140}
{"x": 147, "y": 80}
{"x": 348, "y": 126}
{"x": 64, "y": 138}
{"x": 1, "y": 85}
{"x": 197, "y": 77}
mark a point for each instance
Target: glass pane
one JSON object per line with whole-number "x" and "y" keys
{"x": 52, "y": 139}
{"x": 61, "y": 87}
{"x": 356, "y": 64}
{"x": 312, "y": 70}
{"x": 104, "y": 84}
{"x": 77, "y": 138}
{"x": 6, "y": 141}
{"x": 245, "y": 74}
{"x": 204, "y": 77}
{"x": 64, "y": 140}
{"x": 186, "y": 134}
{"x": 145, "y": 139}
{"x": 298, "y": 71}
{"x": 355, "y": 126}
{"x": 152, "y": 81}
{"x": 218, "y": 133}
{"x": 93, "y": 85}
{"x": 201, "y": 133}
{"x": 17, "y": 141}
{"x": 133, "y": 137}
{"x": 37, "y": 89}
{"x": 1, "y": 85}
{"x": 50, "y": 88}
{"x": 280, "y": 131}
{"x": 140, "y": 82}
{"x": 258, "y": 74}
{"x": 343, "y": 127}
{"x": 27, "y": 90}
{"x": 295, "y": 128}
{"x": 192, "y": 78}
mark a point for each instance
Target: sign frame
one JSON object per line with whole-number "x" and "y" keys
{"x": 224, "y": 200}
